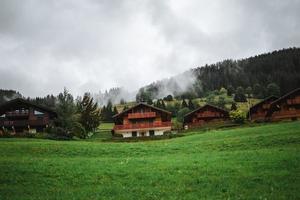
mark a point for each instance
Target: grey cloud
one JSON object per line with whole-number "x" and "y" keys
{"x": 94, "y": 45}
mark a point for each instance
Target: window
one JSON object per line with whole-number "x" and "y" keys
{"x": 38, "y": 112}
{"x": 151, "y": 132}
{"x": 134, "y": 133}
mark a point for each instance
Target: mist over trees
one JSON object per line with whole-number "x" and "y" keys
{"x": 7, "y": 95}
{"x": 281, "y": 68}
{"x": 114, "y": 95}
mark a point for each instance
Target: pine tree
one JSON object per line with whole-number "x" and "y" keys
{"x": 191, "y": 105}
{"x": 163, "y": 105}
{"x": 66, "y": 111}
{"x": 184, "y": 104}
{"x": 115, "y": 111}
{"x": 273, "y": 90}
{"x": 233, "y": 106}
{"x": 230, "y": 90}
{"x": 240, "y": 95}
{"x": 89, "y": 114}
{"x": 248, "y": 91}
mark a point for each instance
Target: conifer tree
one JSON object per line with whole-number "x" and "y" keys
{"x": 184, "y": 104}
{"x": 89, "y": 113}
{"x": 191, "y": 105}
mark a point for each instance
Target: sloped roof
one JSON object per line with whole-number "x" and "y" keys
{"x": 205, "y": 106}
{"x": 144, "y": 104}
{"x": 18, "y": 101}
{"x": 270, "y": 98}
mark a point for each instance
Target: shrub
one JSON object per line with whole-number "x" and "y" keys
{"x": 177, "y": 125}
{"x": 181, "y": 113}
{"x": 79, "y": 131}
{"x": 5, "y": 133}
{"x": 237, "y": 116}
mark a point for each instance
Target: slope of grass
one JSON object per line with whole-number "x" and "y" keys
{"x": 260, "y": 162}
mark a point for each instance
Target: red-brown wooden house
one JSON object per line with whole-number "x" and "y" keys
{"x": 204, "y": 115}
{"x": 286, "y": 107}
{"x": 19, "y": 115}
{"x": 142, "y": 120}
{"x": 258, "y": 111}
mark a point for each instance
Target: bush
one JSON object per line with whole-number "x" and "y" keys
{"x": 58, "y": 133}
{"x": 5, "y": 133}
{"x": 237, "y": 116}
{"x": 177, "y": 126}
{"x": 79, "y": 131}
{"x": 181, "y": 113}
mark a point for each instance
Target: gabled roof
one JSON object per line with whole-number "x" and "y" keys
{"x": 274, "y": 103}
{"x": 139, "y": 104}
{"x": 270, "y": 98}
{"x": 205, "y": 106}
{"x": 18, "y": 101}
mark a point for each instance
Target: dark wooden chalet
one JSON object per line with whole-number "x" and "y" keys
{"x": 19, "y": 115}
{"x": 204, "y": 115}
{"x": 258, "y": 111}
{"x": 142, "y": 120}
{"x": 286, "y": 107}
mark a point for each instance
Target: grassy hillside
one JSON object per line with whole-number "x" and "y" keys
{"x": 244, "y": 106}
{"x": 260, "y": 162}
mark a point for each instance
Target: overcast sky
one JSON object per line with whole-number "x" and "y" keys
{"x": 94, "y": 45}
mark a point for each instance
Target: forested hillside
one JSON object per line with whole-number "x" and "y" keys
{"x": 279, "y": 67}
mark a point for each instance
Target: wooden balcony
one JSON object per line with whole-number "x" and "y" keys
{"x": 24, "y": 113}
{"x": 293, "y": 101}
{"x": 209, "y": 115}
{"x": 266, "y": 106}
{"x": 20, "y": 123}
{"x": 142, "y": 125}
{"x": 141, "y": 115}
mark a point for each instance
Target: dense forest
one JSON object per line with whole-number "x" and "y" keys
{"x": 279, "y": 67}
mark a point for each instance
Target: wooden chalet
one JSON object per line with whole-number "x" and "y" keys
{"x": 204, "y": 115}
{"x": 19, "y": 115}
{"x": 142, "y": 120}
{"x": 286, "y": 107}
{"x": 258, "y": 111}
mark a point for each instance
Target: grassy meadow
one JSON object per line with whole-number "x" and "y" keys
{"x": 260, "y": 162}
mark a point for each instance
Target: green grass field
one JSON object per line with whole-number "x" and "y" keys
{"x": 261, "y": 162}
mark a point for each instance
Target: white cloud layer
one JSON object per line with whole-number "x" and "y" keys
{"x": 95, "y": 45}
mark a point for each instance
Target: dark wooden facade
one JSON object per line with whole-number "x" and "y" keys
{"x": 204, "y": 115}
{"x": 258, "y": 111}
{"x": 142, "y": 120}
{"x": 286, "y": 107}
{"x": 19, "y": 115}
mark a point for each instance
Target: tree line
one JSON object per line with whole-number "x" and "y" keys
{"x": 279, "y": 67}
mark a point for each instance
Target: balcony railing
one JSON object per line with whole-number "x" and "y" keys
{"x": 266, "y": 106}
{"x": 143, "y": 125}
{"x": 208, "y": 115}
{"x": 17, "y": 114}
{"x": 141, "y": 115}
{"x": 293, "y": 101}
{"x": 39, "y": 122}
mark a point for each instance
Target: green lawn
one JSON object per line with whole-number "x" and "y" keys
{"x": 261, "y": 162}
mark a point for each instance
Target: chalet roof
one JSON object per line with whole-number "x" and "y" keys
{"x": 270, "y": 98}
{"x": 20, "y": 101}
{"x": 144, "y": 104}
{"x": 205, "y": 106}
{"x": 276, "y": 102}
